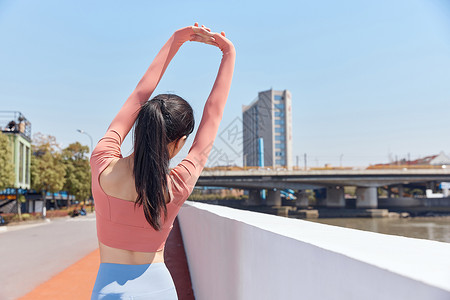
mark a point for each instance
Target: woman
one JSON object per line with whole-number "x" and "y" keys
{"x": 137, "y": 198}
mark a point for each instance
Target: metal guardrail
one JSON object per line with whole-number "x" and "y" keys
{"x": 15, "y": 122}
{"x": 295, "y": 168}
{"x": 387, "y": 167}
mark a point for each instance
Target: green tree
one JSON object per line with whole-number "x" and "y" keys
{"x": 47, "y": 167}
{"x": 6, "y": 163}
{"x": 7, "y": 174}
{"x": 78, "y": 171}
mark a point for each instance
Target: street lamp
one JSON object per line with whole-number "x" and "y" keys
{"x": 92, "y": 148}
{"x": 90, "y": 137}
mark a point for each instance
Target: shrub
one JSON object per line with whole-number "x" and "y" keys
{"x": 26, "y": 217}
{"x": 58, "y": 213}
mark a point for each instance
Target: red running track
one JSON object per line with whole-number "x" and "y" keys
{"x": 77, "y": 281}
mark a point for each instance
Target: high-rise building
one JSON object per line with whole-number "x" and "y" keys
{"x": 267, "y": 130}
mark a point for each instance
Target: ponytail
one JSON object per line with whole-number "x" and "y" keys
{"x": 162, "y": 120}
{"x": 151, "y": 161}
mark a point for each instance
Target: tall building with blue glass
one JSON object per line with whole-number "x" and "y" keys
{"x": 268, "y": 117}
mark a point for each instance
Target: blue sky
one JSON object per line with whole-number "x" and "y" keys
{"x": 368, "y": 79}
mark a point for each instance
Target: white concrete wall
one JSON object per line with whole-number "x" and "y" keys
{"x": 236, "y": 254}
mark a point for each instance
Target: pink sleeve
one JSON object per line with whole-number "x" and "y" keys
{"x": 109, "y": 146}
{"x": 187, "y": 172}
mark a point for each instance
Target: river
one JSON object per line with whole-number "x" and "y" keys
{"x": 431, "y": 228}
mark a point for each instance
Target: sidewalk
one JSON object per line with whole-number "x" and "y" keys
{"x": 77, "y": 281}
{"x": 23, "y": 225}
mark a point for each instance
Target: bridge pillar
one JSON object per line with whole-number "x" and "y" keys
{"x": 320, "y": 195}
{"x": 273, "y": 197}
{"x": 302, "y": 199}
{"x": 254, "y": 197}
{"x": 389, "y": 192}
{"x": 335, "y": 196}
{"x": 366, "y": 197}
{"x": 401, "y": 190}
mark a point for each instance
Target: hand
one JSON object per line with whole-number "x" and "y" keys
{"x": 204, "y": 35}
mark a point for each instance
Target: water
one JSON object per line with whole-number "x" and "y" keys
{"x": 431, "y": 228}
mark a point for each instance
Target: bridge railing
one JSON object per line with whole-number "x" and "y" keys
{"x": 372, "y": 167}
{"x": 236, "y": 254}
{"x": 385, "y": 167}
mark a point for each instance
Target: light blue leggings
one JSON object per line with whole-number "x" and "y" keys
{"x": 149, "y": 281}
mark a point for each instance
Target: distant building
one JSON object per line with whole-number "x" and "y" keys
{"x": 432, "y": 160}
{"x": 18, "y": 129}
{"x": 268, "y": 117}
{"x": 436, "y": 160}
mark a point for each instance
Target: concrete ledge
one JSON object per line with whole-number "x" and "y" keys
{"x": 236, "y": 254}
{"x": 307, "y": 213}
{"x": 353, "y": 213}
{"x": 377, "y": 213}
{"x": 408, "y": 202}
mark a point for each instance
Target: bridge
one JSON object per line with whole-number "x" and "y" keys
{"x": 366, "y": 182}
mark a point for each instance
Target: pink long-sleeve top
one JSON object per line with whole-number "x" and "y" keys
{"x": 119, "y": 224}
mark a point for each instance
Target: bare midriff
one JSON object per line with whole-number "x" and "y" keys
{"x": 128, "y": 257}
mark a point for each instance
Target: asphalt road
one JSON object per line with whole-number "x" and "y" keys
{"x": 31, "y": 254}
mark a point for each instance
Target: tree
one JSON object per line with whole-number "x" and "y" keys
{"x": 6, "y": 163}
{"x": 7, "y": 174}
{"x": 47, "y": 167}
{"x": 78, "y": 171}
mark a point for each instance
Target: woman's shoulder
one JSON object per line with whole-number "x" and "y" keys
{"x": 116, "y": 180}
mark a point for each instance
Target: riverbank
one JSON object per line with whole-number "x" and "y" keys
{"x": 435, "y": 228}
{"x": 432, "y": 223}
{"x": 290, "y": 210}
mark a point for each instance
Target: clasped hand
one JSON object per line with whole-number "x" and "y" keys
{"x": 204, "y": 35}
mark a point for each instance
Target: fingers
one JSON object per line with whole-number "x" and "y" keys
{"x": 203, "y": 34}
{"x": 202, "y": 39}
{"x": 204, "y": 30}
{"x": 201, "y": 30}
{"x": 197, "y": 38}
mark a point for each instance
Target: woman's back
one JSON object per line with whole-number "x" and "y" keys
{"x": 124, "y": 234}
{"x": 136, "y": 197}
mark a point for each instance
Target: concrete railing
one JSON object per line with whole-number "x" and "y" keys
{"x": 237, "y": 254}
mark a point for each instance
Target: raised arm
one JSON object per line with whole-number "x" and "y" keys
{"x": 127, "y": 115}
{"x": 214, "y": 106}
{"x": 109, "y": 145}
{"x": 189, "y": 169}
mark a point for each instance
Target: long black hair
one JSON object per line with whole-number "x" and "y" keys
{"x": 163, "y": 119}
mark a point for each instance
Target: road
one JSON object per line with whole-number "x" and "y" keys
{"x": 33, "y": 253}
